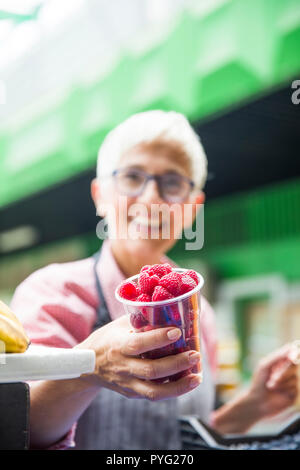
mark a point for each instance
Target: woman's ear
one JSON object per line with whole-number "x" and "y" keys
{"x": 96, "y": 196}
{"x": 200, "y": 198}
{"x": 196, "y": 201}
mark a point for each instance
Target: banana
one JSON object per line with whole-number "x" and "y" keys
{"x": 12, "y": 332}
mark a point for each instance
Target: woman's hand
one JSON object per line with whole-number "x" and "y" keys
{"x": 275, "y": 382}
{"x": 119, "y": 368}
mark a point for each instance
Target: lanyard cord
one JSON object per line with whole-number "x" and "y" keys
{"x": 103, "y": 316}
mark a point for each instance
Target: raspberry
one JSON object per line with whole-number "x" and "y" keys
{"x": 160, "y": 352}
{"x": 166, "y": 314}
{"x": 160, "y": 293}
{"x": 137, "y": 320}
{"x": 191, "y": 315}
{"x": 138, "y": 291}
{"x": 155, "y": 316}
{"x": 187, "y": 284}
{"x": 179, "y": 375}
{"x": 168, "y": 350}
{"x": 143, "y": 298}
{"x": 171, "y": 282}
{"x": 147, "y": 283}
{"x": 189, "y": 332}
{"x": 181, "y": 349}
{"x": 159, "y": 269}
{"x": 128, "y": 290}
{"x": 145, "y": 268}
{"x": 180, "y": 343}
{"x": 153, "y": 354}
{"x": 192, "y": 274}
{"x": 175, "y": 315}
{"x": 161, "y": 380}
{"x": 168, "y": 268}
{"x": 148, "y": 328}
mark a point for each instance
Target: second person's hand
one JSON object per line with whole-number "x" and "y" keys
{"x": 275, "y": 381}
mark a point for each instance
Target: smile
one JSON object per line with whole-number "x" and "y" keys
{"x": 144, "y": 222}
{"x": 146, "y": 226}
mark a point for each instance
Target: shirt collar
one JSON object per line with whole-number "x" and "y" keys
{"x": 110, "y": 277}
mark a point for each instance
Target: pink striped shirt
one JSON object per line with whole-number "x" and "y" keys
{"x": 57, "y": 305}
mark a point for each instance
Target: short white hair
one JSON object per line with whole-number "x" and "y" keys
{"x": 149, "y": 126}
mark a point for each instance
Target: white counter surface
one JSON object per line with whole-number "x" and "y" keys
{"x": 45, "y": 363}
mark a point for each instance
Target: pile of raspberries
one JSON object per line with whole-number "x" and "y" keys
{"x": 158, "y": 282}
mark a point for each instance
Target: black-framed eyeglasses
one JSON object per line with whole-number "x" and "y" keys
{"x": 172, "y": 186}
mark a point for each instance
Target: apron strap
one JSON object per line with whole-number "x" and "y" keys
{"x": 103, "y": 316}
{"x": 120, "y": 422}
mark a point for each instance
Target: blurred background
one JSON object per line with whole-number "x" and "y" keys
{"x": 70, "y": 71}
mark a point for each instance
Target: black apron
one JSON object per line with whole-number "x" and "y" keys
{"x": 115, "y": 422}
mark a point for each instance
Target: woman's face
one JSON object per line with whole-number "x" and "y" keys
{"x": 146, "y": 222}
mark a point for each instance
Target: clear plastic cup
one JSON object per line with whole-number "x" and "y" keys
{"x": 182, "y": 311}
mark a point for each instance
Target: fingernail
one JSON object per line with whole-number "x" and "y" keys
{"x": 194, "y": 357}
{"x": 270, "y": 384}
{"x": 174, "y": 334}
{"x": 195, "y": 381}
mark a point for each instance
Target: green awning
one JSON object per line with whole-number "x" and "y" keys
{"x": 206, "y": 65}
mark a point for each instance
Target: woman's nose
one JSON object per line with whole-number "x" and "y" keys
{"x": 150, "y": 193}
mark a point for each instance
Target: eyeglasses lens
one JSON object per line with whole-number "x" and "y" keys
{"x": 172, "y": 186}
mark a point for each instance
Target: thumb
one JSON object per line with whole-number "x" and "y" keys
{"x": 274, "y": 360}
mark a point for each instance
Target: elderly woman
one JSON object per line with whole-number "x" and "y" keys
{"x": 153, "y": 158}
